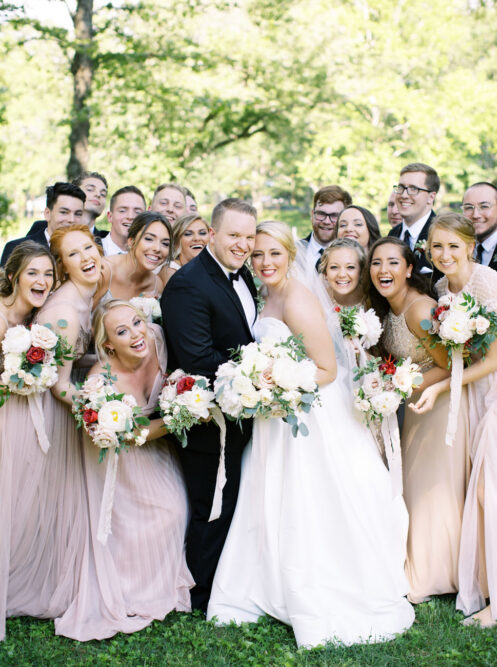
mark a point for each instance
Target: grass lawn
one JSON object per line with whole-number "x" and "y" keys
{"x": 436, "y": 638}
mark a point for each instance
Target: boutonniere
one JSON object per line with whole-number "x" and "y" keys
{"x": 420, "y": 247}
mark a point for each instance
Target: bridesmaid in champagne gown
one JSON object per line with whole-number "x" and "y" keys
{"x": 451, "y": 242}
{"x": 24, "y": 287}
{"x": 435, "y": 476}
{"x": 140, "y": 574}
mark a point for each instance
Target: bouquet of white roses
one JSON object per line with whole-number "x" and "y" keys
{"x": 184, "y": 401}
{"x": 31, "y": 356}
{"x": 149, "y": 306}
{"x": 360, "y": 324}
{"x": 384, "y": 385}
{"x": 111, "y": 419}
{"x": 462, "y": 324}
{"x": 268, "y": 379}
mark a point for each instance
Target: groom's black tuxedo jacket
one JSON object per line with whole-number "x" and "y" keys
{"x": 203, "y": 321}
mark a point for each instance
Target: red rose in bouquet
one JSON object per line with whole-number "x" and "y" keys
{"x": 184, "y": 384}
{"x": 35, "y": 355}
{"x": 90, "y": 416}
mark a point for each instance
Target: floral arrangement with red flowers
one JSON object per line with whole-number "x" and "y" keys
{"x": 384, "y": 385}
{"x": 184, "y": 401}
{"x": 31, "y": 356}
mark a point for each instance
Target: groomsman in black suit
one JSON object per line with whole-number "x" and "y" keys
{"x": 64, "y": 206}
{"x": 208, "y": 309}
{"x": 94, "y": 185}
{"x": 415, "y": 193}
{"x": 327, "y": 205}
{"x": 480, "y": 206}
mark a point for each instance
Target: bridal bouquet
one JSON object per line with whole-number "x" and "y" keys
{"x": 31, "y": 356}
{"x": 384, "y": 385}
{"x": 149, "y": 306}
{"x": 111, "y": 419}
{"x": 184, "y": 401}
{"x": 268, "y": 379}
{"x": 465, "y": 327}
{"x": 462, "y": 324}
{"x": 360, "y": 324}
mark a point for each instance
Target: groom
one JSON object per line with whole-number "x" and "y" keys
{"x": 208, "y": 309}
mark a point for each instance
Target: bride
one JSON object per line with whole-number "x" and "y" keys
{"x": 317, "y": 540}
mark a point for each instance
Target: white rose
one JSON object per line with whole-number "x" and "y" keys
{"x": 129, "y": 400}
{"x": 372, "y": 383}
{"x": 306, "y": 372}
{"x": 176, "y": 375}
{"x": 93, "y": 386}
{"x": 43, "y": 337}
{"x": 230, "y": 403}
{"x": 104, "y": 437}
{"x": 481, "y": 324}
{"x": 48, "y": 375}
{"x": 250, "y": 399}
{"x": 113, "y": 416}
{"x": 266, "y": 345}
{"x": 253, "y": 360}
{"x": 456, "y": 327}
{"x": 374, "y": 328}
{"x": 12, "y": 363}
{"x": 285, "y": 373}
{"x": 167, "y": 395}
{"x": 445, "y": 300}
{"x": 142, "y": 438}
{"x": 242, "y": 385}
{"x": 362, "y": 404}
{"x": 360, "y": 326}
{"x": 225, "y": 372}
{"x": 402, "y": 380}
{"x": 198, "y": 401}
{"x": 17, "y": 340}
{"x": 292, "y": 397}
{"x": 385, "y": 403}
{"x": 265, "y": 396}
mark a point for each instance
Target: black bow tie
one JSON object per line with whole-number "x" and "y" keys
{"x": 235, "y": 275}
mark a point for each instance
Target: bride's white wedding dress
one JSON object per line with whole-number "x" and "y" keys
{"x": 317, "y": 540}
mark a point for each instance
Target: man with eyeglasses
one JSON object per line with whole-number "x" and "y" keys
{"x": 480, "y": 206}
{"x": 414, "y": 194}
{"x": 328, "y": 203}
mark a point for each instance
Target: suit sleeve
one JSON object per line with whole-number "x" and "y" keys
{"x": 187, "y": 316}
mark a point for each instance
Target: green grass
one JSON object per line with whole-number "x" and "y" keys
{"x": 436, "y": 638}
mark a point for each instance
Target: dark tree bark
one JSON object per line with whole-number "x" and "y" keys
{"x": 82, "y": 67}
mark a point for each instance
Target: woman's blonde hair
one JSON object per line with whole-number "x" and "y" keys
{"x": 282, "y": 233}
{"x": 456, "y": 223}
{"x": 344, "y": 243}
{"x": 98, "y": 324}
{"x": 56, "y": 245}
{"x": 180, "y": 227}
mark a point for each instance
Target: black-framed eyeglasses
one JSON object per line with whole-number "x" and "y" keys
{"x": 321, "y": 216}
{"x": 412, "y": 190}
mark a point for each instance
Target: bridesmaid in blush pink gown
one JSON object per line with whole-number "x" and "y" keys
{"x": 24, "y": 287}
{"x": 451, "y": 242}
{"x": 140, "y": 574}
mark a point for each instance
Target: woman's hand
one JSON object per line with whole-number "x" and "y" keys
{"x": 426, "y": 400}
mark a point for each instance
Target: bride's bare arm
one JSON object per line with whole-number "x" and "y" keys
{"x": 304, "y": 316}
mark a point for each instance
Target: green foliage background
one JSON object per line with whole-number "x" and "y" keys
{"x": 267, "y": 99}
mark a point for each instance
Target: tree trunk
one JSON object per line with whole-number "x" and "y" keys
{"x": 82, "y": 71}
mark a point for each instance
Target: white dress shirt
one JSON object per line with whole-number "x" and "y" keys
{"x": 414, "y": 229}
{"x": 316, "y": 249}
{"x": 242, "y": 290}
{"x": 111, "y": 248}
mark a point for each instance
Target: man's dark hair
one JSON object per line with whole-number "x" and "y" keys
{"x": 62, "y": 188}
{"x": 90, "y": 174}
{"x": 432, "y": 179}
{"x": 330, "y": 194}
{"x": 125, "y": 190}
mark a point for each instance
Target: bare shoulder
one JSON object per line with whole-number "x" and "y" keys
{"x": 299, "y": 299}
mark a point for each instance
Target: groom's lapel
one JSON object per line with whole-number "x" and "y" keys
{"x": 223, "y": 282}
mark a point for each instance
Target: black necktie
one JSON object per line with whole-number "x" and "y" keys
{"x": 235, "y": 275}
{"x": 407, "y": 238}
{"x": 321, "y": 250}
{"x": 479, "y": 253}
